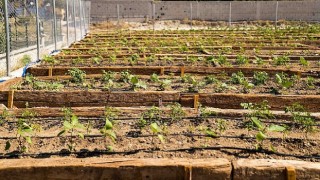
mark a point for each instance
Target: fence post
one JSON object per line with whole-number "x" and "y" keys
{"x": 276, "y": 21}
{"x": 74, "y": 20}
{"x": 54, "y": 24}
{"x": 80, "y": 18}
{"x": 230, "y": 13}
{"x": 38, "y": 29}
{"x": 191, "y": 15}
{"x": 67, "y": 12}
{"x": 6, "y": 19}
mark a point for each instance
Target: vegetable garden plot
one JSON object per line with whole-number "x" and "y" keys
{"x": 140, "y": 131}
{"x": 164, "y": 84}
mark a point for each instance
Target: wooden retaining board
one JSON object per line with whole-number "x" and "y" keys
{"x": 148, "y": 70}
{"x": 149, "y": 98}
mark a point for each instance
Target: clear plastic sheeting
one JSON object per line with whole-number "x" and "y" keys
{"x": 61, "y": 22}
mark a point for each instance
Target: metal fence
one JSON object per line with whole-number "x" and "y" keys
{"x": 30, "y": 29}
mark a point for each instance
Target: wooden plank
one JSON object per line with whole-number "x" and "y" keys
{"x": 10, "y": 98}
{"x": 291, "y": 173}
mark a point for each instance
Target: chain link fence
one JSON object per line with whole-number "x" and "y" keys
{"x": 60, "y": 23}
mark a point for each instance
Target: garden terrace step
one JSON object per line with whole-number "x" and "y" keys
{"x": 122, "y": 169}
{"x": 150, "y": 98}
{"x": 63, "y": 56}
{"x": 148, "y": 70}
{"x": 171, "y": 169}
{"x": 209, "y": 47}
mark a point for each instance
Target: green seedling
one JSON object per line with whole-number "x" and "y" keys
{"x": 72, "y": 127}
{"x": 281, "y": 60}
{"x": 260, "y": 78}
{"x": 163, "y": 84}
{"x": 176, "y": 112}
{"x": 304, "y": 62}
{"x": 156, "y": 130}
{"x": 301, "y": 117}
{"x": 242, "y": 60}
{"x": 136, "y": 83}
{"x": 77, "y": 75}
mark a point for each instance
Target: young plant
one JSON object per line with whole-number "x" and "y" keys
{"x": 97, "y": 60}
{"x": 237, "y": 78}
{"x": 112, "y": 58}
{"x": 263, "y": 131}
{"x": 304, "y": 62}
{"x": 156, "y": 130}
{"x": 107, "y": 76}
{"x": 310, "y": 82}
{"x": 163, "y": 84}
{"x": 50, "y": 60}
{"x": 136, "y": 83}
{"x": 78, "y": 60}
{"x": 108, "y": 129}
{"x": 281, "y": 60}
{"x": 284, "y": 80}
{"x": 242, "y": 60}
{"x": 149, "y": 116}
{"x": 25, "y": 129}
{"x": 211, "y": 79}
{"x": 301, "y": 117}
{"x": 125, "y": 76}
{"x": 72, "y": 126}
{"x": 77, "y": 75}
{"x": 260, "y": 77}
{"x": 176, "y": 112}
{"x": 154, "y": 78}
{"x": 133, "y": 59}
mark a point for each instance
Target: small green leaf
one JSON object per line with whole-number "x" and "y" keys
{"x": 276, "y": 128}
{"x": 272, "y": 148}
{"x": 257, "y": 123}
{"x": 74, "y": 120}
{"x": 155, "y": 128}
{"x": 67, "y": 125}
{"x": 261, "y": 136}
{"x": 8, "y": 145}
{"x": 134, "y": 80}
{"x": 81, "y": 135}
{"x": 108, "y": 124}
{"x": 161, "y": 138}
{"x": 112, "y": 135}
{"x": 80, "y": 126}
{"x": 28, "y": 139}
{"x": 211, "y": 133}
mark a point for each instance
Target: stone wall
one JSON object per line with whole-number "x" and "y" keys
{"x": 217, "y": 11}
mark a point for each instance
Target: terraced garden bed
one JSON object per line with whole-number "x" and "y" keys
{"x": 202, "y": 93}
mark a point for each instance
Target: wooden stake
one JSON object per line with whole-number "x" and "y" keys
{"x": 50, "y": 71}
{"x": 196, "y": 101}
{"x": 291, "y": 173}
{"x": 299, "y": 74}
{"x": 162, "y": 71}
{"x": 182, "y": 71}
{"x": 10, "y": 98}
{"x": 188, "y": 172}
